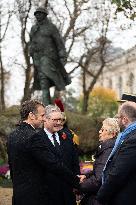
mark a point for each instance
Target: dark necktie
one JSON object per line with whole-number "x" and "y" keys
{"x": 56, "y": 144}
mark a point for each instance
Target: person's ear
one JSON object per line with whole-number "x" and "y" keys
{"x": 114, "y": 134}
{"x": 31, "y": 116}
{"x": 125, "y": 120}
{"x": 45, "y": 119}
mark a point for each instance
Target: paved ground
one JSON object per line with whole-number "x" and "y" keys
{"x": 5, "y": 196}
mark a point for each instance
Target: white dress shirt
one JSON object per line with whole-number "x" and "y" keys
{"x": 50, "y": 136}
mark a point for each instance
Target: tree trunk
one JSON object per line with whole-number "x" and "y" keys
{"x": 28, "y": 74}
{"x": 85, "y": 94}
{"x": 85, "y": 102}
{"x": 27, "y": 89}
{"x": 2, "y": 91}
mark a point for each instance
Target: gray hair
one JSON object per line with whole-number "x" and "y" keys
{"x": 50, "y": 109}
{"x": 113, "y": 125}
{"x": 128, "y": 109}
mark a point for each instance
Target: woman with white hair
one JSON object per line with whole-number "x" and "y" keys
{"x": 107, "y": 136}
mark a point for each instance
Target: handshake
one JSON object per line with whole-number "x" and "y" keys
{"x": 82, "y": 178}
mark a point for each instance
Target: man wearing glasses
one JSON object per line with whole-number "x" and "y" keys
{"x": 60, "y": 183}
{"x": 37, "y": 167}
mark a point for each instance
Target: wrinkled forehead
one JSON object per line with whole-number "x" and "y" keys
{"x": 40, "y": 109}
{"x": 55, "y": 115}
{"x": 105, "y": 125}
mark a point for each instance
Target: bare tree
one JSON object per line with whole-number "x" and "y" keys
{"x": 89, "y": 37}
{"x": 127, "y": 7}
{"x": 3, "y": 32}
{"x": 91, "y": 71}
{"x": 23, "y": 11}
{"x": 92, "y": 64}
{"x": 77, "y": 24}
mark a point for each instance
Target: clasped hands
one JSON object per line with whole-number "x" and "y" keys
{"x": 82, "y": 177}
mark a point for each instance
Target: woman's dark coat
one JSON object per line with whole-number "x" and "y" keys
{"x": 119, "y": 187}
{"x": 91, "y": 186}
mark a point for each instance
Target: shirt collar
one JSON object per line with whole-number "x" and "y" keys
{"x": 29, "y": 124}
{"x": 49, "y": 134}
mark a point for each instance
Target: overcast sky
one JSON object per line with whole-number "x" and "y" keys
{"x": 125, "y": 39}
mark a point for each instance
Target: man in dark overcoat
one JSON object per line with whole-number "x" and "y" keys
{"x": 49, "y": 56}
{"x": 31, "y": 160}
{"x": 60, "y": 187}
{"x": 119, "y": 174}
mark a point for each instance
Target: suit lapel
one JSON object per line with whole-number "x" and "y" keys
{"x": 60, "y": 139}
{"x": 47, "y": 141}
{"x": 120, "y": 145}
{"x": 62, "y": 142}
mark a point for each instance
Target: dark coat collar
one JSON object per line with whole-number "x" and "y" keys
{"x": 48, "y": 142}
{"x": 24, "y": 124}
{"x": 105, "y": 145}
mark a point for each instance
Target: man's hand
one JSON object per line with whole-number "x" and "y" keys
{"x": 81, "y": 177}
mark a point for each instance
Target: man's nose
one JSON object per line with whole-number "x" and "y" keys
{"x": 43, "y": 118}
{"x": 59, "y": 122}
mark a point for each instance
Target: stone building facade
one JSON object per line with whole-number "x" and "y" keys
{"x": 120, "y": 73}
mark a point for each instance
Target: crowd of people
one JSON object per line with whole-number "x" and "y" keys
{"x": 44, "y": 164}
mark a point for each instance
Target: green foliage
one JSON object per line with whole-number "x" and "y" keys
{"x": 102, "y": 103}
{"x": 1, "y": 161}
{"x": 3, "y": 154}
{"x": 5, "y": 183}
{"x": 126, "y": 6}
{"x": 8, "y": 120}
{"x": 85, "y": 157}
{"x": 83, "y": 125}
{"x": 11, "y": 111}
{"x": 86, "y": 128}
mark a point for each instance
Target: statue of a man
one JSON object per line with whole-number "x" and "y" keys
{"x": 49, "y": 56}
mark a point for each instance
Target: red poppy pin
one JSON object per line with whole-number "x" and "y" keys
{"x": 64, "y": 136}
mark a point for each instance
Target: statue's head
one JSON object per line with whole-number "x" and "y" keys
{"x": 41, "y": 10}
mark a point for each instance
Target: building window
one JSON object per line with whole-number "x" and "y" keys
{"x": 131, "y": 82}
{"x": 120, "y": 86}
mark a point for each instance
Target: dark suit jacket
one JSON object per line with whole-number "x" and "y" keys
{"x": 91, "y": 186}
{"x": 120, "y": 175}
{"x": 60, "y": 187}
{"x": 32, "y": 161}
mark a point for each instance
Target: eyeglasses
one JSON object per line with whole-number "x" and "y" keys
{"x": 56, "y": 120}
{"x": 102, "y": 129}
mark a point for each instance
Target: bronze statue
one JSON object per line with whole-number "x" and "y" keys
{"x": 49, "y": 56}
